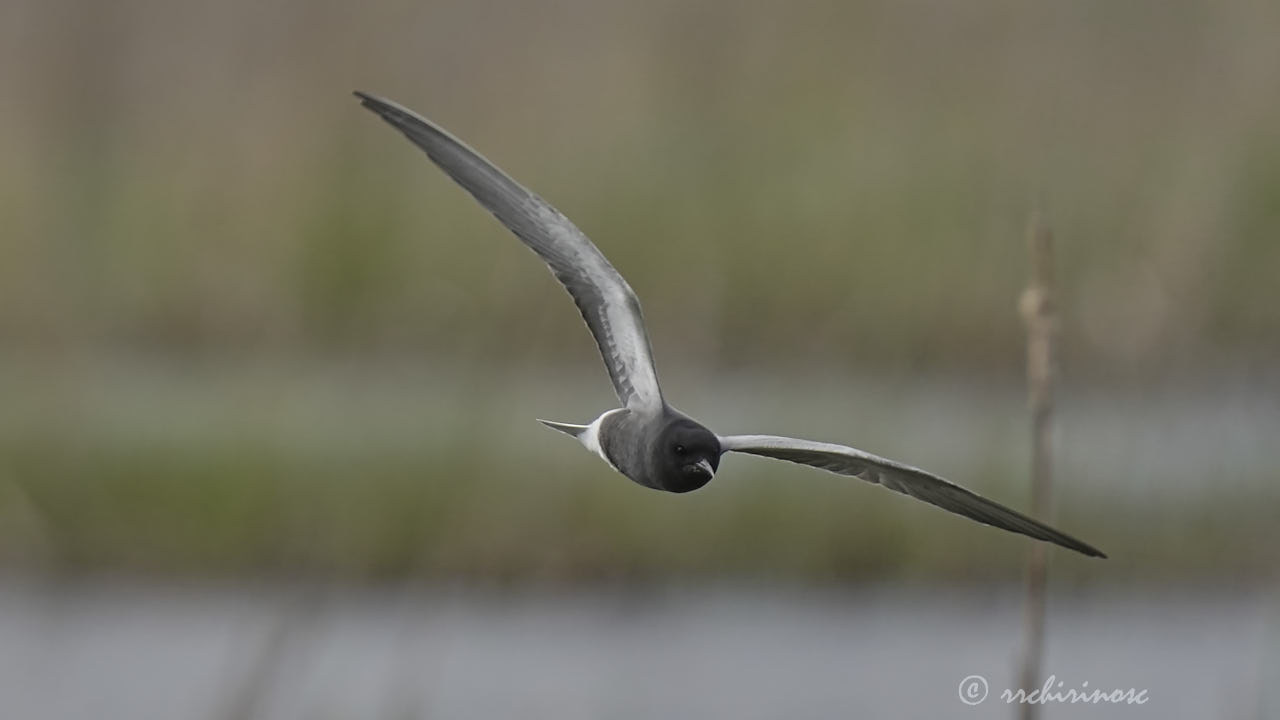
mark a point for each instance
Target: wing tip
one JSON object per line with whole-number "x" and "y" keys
{"x": 373, "y": 102}
{"x": 1091, "y": 551}
{"x": 1063, "y": 540}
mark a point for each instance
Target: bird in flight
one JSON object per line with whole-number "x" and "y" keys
{"x": 646, "y": 439}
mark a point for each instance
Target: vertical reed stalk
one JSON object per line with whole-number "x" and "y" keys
{"x": 1040, "y": 315}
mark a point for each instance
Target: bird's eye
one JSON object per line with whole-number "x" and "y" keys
{"x": 679, "y": 449}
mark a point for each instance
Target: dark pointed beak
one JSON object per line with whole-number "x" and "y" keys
{"x": 702, "y": 467}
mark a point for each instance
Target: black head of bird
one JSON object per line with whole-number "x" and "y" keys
{"x": 688, "y": 456}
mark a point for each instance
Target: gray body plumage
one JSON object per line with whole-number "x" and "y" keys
{"x": 646, "y": 439}
{"x": 623, "y": 436}
{"x": 627, "y": 436}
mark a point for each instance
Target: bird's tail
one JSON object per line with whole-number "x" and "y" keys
{"x": 567, "y": 428}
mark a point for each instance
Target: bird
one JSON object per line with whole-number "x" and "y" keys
{"x": 646, "y": 439}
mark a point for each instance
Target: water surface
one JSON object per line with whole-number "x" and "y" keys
{"x": 96, "y": 650}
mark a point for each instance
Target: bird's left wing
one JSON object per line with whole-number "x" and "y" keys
{"x": 905, "y": 479}
{"x": 606, "y": 301}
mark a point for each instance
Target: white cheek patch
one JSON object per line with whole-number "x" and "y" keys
{"x": 590, "y": 437}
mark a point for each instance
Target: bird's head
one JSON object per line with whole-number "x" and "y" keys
{"x": 688, "y": 455}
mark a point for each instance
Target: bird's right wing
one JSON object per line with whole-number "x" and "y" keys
{"x": 604, "y": 298}
{"x": 904, "y": 479}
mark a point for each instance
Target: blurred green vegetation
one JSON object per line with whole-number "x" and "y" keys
{"x": 353, "y": 475}
{"x": 182, "y": 176}
{"x": 817, "y": 187}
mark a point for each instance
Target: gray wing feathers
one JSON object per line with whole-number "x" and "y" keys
{"x": 903, "y": 479}
{"x": 606, "y": 301}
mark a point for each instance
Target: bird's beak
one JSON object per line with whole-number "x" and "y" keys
{"x": 704, "y": 468}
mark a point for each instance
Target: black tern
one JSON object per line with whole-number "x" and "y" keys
{"x": 646, "y": 439}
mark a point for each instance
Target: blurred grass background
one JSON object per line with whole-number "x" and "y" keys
{"x": 245, "y": 329}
